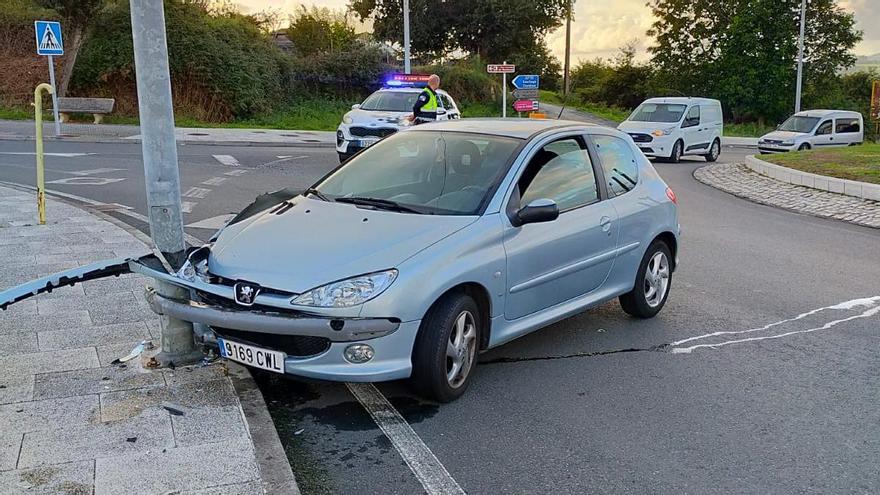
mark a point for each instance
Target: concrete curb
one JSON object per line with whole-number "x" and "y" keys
{"x": 275, "y": 471}
{"x": 189, "y": 142}
{"x": 846, "y": 187}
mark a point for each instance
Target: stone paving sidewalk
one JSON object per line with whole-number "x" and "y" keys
{"x": 741, "y": 181}
{"x": 73, "y": 422}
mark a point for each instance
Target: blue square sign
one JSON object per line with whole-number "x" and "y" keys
{"x": 48, "y": 38}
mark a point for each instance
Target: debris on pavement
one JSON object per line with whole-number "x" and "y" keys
{"x": 138, "y": 349}
{"x": 173, "y": 408}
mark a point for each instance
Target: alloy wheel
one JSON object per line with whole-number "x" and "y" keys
{"x": 461, "y": 349}
{"x": 656, "y": 279}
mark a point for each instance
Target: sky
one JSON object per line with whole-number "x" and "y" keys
{"x": 600, "y": 29}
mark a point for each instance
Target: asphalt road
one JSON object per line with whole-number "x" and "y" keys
{"x": 596, "y": 403}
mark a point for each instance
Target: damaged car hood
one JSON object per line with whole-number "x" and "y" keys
{"x": 304, "y": 243}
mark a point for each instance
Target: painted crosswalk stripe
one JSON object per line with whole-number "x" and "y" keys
{"x": 187, "y": 206}
{"x": 214, "y": 181}
{"x": 235, "y": 173}
{"x": 433, "y": 476}
{"x": 228, "y": 160}
{"x": 95, "y": 171}
{"x": 196, "y": 192}
{"x": 285, "y": 158}
{"x": 212, "y": 223}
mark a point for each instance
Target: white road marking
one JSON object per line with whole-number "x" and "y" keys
{"x": 187, "y": 206}
{"x": 228, "y": 160}
{"x": 31, "y": 153}
{"x": 214, "y": 181}
{"x": 873, "y": 303}
{"x": 433, "y": 476}
{"x": 95, "y": 171}
{"x": 196, "y": 192}
{"x": 284, "y": 158}
{"x": 213, "y": 223}
{"x": 235, "y": 173}
{"x": 84, "y": 181}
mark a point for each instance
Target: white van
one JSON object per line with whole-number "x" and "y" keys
{"x": 815, "y": 129}
{"x": 673, "y": 127}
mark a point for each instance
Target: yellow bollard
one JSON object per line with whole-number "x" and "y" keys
{"x": 38, "y": 117}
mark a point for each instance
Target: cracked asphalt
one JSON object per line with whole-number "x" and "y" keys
{"x": 598, "y": 403}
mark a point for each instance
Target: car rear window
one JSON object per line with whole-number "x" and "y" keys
{"x": 618, "y": 163}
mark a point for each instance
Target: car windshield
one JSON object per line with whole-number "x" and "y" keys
{"x": 658, "y": 112}
{"x": 391, "y": 101}
{"x": 799, "y": 124}
{"x": 432, "y": 172}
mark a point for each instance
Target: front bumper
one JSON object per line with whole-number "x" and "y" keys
{"x": 660, "y": 146}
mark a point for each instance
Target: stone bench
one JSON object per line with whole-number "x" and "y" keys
{"x": 95, "y": 106}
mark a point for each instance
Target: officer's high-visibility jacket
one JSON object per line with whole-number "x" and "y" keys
{"x": 425, "y": 107}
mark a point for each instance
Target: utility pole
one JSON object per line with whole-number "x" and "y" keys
{"x": 565, "y": 75}
{"x": 800, "y": 65}
{"x": 406, "y": 62}
{"x": 160, "y": 165}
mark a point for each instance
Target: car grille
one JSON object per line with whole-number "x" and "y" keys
{"x": 642, "y": 138}
{"x": 772, "y": 141}
{"x": 299, "y": 346}
{"x": 372, "y": 131}
{"x": 225, "y": 303}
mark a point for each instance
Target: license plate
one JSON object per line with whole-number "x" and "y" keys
{"x": 252, "y": 356}
{"x": 365, "y": 143}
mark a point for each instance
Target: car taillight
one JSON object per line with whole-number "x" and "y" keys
{"x": 671, "y": 195}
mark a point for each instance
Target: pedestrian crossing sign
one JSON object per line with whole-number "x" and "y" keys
{"x": 49, "y": 38}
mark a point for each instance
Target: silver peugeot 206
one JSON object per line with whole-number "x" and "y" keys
{"x": 431, "y": 246}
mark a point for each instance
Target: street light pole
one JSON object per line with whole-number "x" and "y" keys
{"x": 406, "y": 62}
{"x": 160, "y": 165}
{"x": 565, "y": 75}
{"x": 800, "y": 65}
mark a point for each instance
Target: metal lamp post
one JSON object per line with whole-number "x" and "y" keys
{"x": 800, "y": 64}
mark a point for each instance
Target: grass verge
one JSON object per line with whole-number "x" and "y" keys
{"x": 860, "y": 163}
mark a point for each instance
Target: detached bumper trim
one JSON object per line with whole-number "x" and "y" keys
{"x": 349, "y": 330}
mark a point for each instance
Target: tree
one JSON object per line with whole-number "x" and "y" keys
{"x": 744, "y": 52}
{"x": 75, "y": 16}
{"x": 494, "y": 30}
{"x": 320, "y": 30}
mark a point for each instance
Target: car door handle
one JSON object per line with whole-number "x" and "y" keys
{"x": 605, "y": 222}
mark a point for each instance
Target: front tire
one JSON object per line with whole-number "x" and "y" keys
{"x": 804, "y": 147}
{"x": 714, "y": 151}
{"x": 445, "y": 351}
{"x": 653, "y": 281}
{"x": 677, "y": 151}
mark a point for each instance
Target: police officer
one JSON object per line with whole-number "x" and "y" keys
{"x": 425, "y": 108}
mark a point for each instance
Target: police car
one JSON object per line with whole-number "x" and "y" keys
{"x": 385, "y": 112}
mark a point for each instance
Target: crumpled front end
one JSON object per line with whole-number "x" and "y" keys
{"x": 314, "y": 344}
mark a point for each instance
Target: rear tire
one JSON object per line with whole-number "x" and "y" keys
{"x": 677, "y": 151}
{"x": 445, "y": 351}
{"x": 653, "y": 282}
{"x": 714, "y": 151}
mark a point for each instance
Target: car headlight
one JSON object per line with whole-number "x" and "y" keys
{"x": 661, "y": 132}
{"x": 348, "y": 292}
{"x": 347, "y": 120}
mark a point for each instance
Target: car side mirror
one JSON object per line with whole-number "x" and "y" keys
{"x": 538, "y": 211}
{"x": 355, "y": 106}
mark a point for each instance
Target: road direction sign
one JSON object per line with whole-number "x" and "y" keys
{"x": 49, "y": 40}
{"x": 525, "y": 105}
{"x": 500, "y": 68}
{"x": 525, "y": 94}
{"x": 526, "y": 81}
